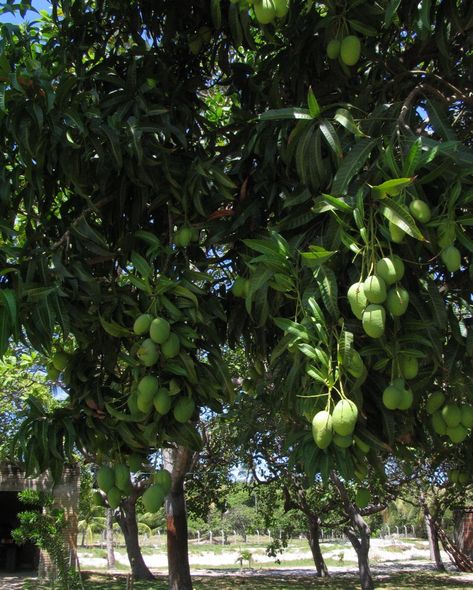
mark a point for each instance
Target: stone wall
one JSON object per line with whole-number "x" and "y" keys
{"x": 65, "y": 494}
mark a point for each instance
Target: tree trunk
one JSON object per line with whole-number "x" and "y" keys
{"x": 358, "y": 533}
{"x": 109, "y": 538}
{"x": 177, "y": 462}
{"x": 313, "y": 537}
{"x": 432, "y": 535}
{"x": 361, "y": 544}
{"x": 127, "y": 521}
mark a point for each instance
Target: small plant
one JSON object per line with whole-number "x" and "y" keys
{"x": 245, "y": 555}
{"x": 43, "y": 525}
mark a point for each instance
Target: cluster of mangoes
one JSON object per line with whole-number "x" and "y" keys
{"x": 150, "y": 394}
{"x": 266, "y": 11}
{"x": 160, "y": 339}
{"x": 336, "y": 427}
{"x": 58, "y": 363}
{"x": 347, "y": 49}
{"x": 421, "y": 212}
{"x": 449, "y": 419}
{"x": 366, "y": 297}
{"x": 458, "y": 476}
{"x": 115, "y": 482}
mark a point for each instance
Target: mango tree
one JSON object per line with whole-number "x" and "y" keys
{"x": 317, "y": 156}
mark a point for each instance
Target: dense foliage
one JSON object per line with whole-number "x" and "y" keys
{"x": 152, "y": 157}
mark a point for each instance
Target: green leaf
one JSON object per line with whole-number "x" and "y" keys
{"x": 392, "y": 187}
{"x": 345, "y": 118}
{"x": 399, "y": 215}
{"x": 141, "y": 265}
{"x": 316, "y": 256}
{"x": 285, "y": 114}
{"x": 293, "y": 328}
{"x": 331, "y": 137}
{"x": 352, "y": 163}
{"x": 327, "y": 282}
{"x": 314, "y": 108}
{"x": 413, "y": 158}
{"x": 390, "y": 12}
{"x": 114, "y": 329}
{"x": 9, "y": 301}
{"x": 438, "y": 120}
{"x": 4, "y": 330}
{"x": 362, "y": 28}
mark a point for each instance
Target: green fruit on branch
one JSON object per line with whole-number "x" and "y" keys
{"x": 357, "y": 299}
{"x": 171, "y": 347}
{"x": 105, "y": 478}
{"x": 374, "y": 320}
{"x": 364, "y": 447}
{"x": 162, "y": 401}
{"x": 153, "y": 498}
{"x": 183, "y": 236}
{"x": 409, "y": 366}
{"x": 463, "y": 477}
{"x": 392, "y": 397}
{"x": 391, "y": 270}
{"x": 396, "y": 233}
{"x": 122, "y": 476}
{"x": 148, "y": 385}
{"x": 265, "y": 11}
{"x": 350, "y": 49}
{"x": 184, "y": 409}
{"x": 344, "y": 417}
{"x": 457, "y": 434}
{"x": 362, "y": 498}
{"x": 397, "y": 301}
{"x": 435, "y": 401}
{"x": 438, "y": 423}
{"x": 333, "y": 49}
{"x": 420, "y": 210}
{"x": 97, "y": 499}
{"x": 144, "y": 400}
{"x": 148, "y": 353}
{"x": 195, "y": 45}
{"x": 467, "y": 416}
{"x": 375, "y": 289}
{"x": 407, "y": 399}
{"x": 322, "y": 429}
{"x": 163, "y": 478}
{"x": 205, "y": 34}
{"x": 446, "y": 233}
{"x": 452, "y": 415}
{"x": 453, "y": 475}
{"x": 135, "y": 463}
{"x": 52, "y": 373}
{"x": 240, "y": 287}
{"x": 60, "y": 360}
{"x": 142, "y": 324}
{"x": 281, "y": 7}
{"x": 451, "y": 257}
{"x": 344, "y": 442}
{"x": 159, "y": 330}
{"x": 114, "y": 497}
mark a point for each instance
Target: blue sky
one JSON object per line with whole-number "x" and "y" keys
{"x": 38, "y": 4}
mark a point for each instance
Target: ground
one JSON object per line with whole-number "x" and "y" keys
{"x": 398, "y": 564}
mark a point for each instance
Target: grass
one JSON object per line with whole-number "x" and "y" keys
{"x": 406, "y": 581}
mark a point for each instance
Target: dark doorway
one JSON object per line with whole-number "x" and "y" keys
{"x": 14, "y": 557}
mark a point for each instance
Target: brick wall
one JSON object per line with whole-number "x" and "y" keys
{"x": 65, "y": 494}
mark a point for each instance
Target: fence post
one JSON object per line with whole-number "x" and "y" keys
{"x": 211, "y": 537}
{"x": 223, "y": 537}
